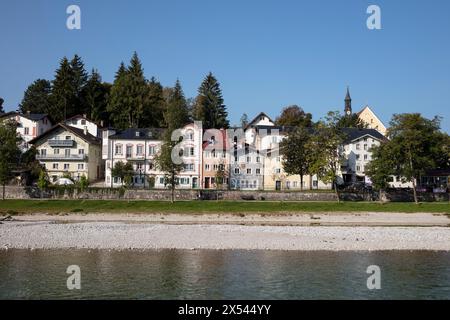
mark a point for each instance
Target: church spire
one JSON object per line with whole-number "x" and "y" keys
{"x": 348, "y": 103}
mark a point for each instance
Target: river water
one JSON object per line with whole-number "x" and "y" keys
{"x": 223, "y": 274}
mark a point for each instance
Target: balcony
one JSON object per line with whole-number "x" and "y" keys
{"x": 61, "y": 143}
{"x": 135, "y": 156}
{"x": 55, "y": 157}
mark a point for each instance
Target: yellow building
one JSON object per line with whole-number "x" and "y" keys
{"x": 366, "y": 115}
{"x": 66, "y": 150}
{"x": 373, "y": 122}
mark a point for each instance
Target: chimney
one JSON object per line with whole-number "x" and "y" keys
{"x": 85, "y": 130}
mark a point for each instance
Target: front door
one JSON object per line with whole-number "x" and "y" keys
{"x": 207, "y": 183}
{"x": 277, "y": 185}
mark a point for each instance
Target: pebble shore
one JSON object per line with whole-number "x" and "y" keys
{"x": 126, "y": 235}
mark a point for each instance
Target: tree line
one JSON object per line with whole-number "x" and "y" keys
{"x": 414, "y": 145}
{"x": 131, "y": 101}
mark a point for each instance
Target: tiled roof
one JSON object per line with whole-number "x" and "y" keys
{"x": 30, "y": 116}
{"x": 356, "y": 133}
{"x": 139, "y": 134}
{"x": 79, "y": 132}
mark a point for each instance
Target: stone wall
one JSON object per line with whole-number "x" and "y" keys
{"x": 140, "y": 194}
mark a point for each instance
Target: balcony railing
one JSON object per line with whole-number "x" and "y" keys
{"x": 61, "y": 143}
{"x": 135, "y": 156}
{"x": 61, "y": 157}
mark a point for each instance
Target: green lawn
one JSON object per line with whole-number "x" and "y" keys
{"x": 267, "y": 207}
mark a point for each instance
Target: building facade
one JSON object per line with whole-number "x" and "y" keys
{"x": 140, "y": 147}
{"x": 29, "y": 125}
{"x": 356, "y": 153}
{"x": 68, "y": 151}
{"x": 81, "y": 122}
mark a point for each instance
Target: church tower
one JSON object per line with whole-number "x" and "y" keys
{"x": 348, "y": 103}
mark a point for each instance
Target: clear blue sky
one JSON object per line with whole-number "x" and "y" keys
{"x": 266, "y": 54}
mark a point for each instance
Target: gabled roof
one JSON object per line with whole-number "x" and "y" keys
{"x": 371, "y": 111}
{"x": 139, "y": 134}
{"x": 85, "y": 118}
{"x": 352, "y": 134}
{"x": 261, "y": 114}
{"x": 29, "y": 116}
{"x": 89, "y": 138}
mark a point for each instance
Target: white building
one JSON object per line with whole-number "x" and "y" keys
{"x": 140, "y": 146}
{"x": 356, "y": 153}
{"x": 29, "y": 125}
{"x": 81, "y": 122}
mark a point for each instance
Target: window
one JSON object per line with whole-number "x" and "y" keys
{"x": 191, "y": 151}
{"x": 365, "y": 146}
{"x": 258, "y": 171}
{"x": 215, "y": 167}
{"x": 249, "y": 171}
{"x": 295, "y": 184}
{"x": 81, "y": 166}
{"x": 118, "y": 149}
{"x": 358, "y": 168}
{"x": 67, "y": 152}
{"x": 66, "y": 166}
{"x": 184, "y": 181}
{"x": 288, "y": 184}
{"x": 140, "y": 150}
{"x": 274, "y": 139}
{"x": 358, "y": 147}
{"x": 151, "y": 166}
{"x": 161, "y": 180}
{"x": 315, "y": 183}
{"x": 278, "y": 159}
{"x": 151, "y": 150}
{"x": 258, "y": 159}
{"x": 190, "y": 135}
{"x": 68, "y": 137}
{"x": 43, "y": 152}
{"x": 129, "y": 151}
{"x": 277, "y": 170}
{"x": 55, "y": 166}
{"x": 207, "y": 167}
{"x": 80, "y": 151}
{"x": 249, "y": 159}
{"x": 83, "y": 122}
{"x": 357, "y": 156}
{"x": 236, "y": 170}
{"x": 365, "y": 157}
{"x": 26, "y": 131}
{"x": 56, "y": 151}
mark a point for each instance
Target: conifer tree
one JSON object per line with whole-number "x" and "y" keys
{"x": 209, "y": 107}
{"x": 136, "y": 92}
{"x": 64, "y": 95}
{"x": 36, "y": 98}
{"x": 94, "y": 97}
{"x": 117, "y": 100}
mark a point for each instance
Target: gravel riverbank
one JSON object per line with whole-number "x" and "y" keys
{"x": 125, "y": 235}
